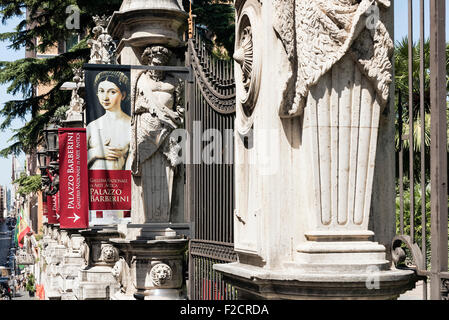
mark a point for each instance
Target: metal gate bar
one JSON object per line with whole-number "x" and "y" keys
{"x": 438, "y": 273}
{"x": 211, "y": 104}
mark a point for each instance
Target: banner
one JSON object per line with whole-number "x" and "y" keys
{"x": 52, "y": 209}
{"x": 108, "y": 137}
{"x": 44, "y": 205}
{"x": 73, "y": 179}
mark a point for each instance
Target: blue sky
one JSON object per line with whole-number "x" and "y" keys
{"x": 8, "y": 55}
{"x": 401, "y": 19}
{"x": 401, "y": 29}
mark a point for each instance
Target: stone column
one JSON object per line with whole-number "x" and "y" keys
{"x": 54, "y": 253}
{"x": 151, "y": 262}
{"x": 95, "y": 280}
{"x": 307, "y": 150}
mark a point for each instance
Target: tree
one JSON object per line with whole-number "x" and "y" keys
{"x": 28, "y": 184}
{"x": 219, "y": 18}
{"x": 402, "y": 98}
{"x": 46, "y": 21}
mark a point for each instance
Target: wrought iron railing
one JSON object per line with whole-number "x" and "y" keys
{"x": 422, "y": 243}
{"x": 210, "y": 104}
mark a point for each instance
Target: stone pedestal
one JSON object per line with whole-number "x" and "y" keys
{"x": 72, "y": 262}
{"x": 156, "y": 268}
{"x": 95, "y": 280}
{"x": 311, "y": 148}
{"x": 53, "y": 254}
{"x": 151, "y": 265}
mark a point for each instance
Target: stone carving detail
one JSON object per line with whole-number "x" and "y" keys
{"x": 249, "y": 58}
{"x": 244, "y": 56}
{"x": 157, "y": 111}
{"x": 109, "y": 254}
{"x": 121, "y": 273}
{"x": 102, "y": 46}
{"x": 85, "y": 253}
{"x": 316, "y": 34}
{"x": 55, "y": 235}
{"x": 160, "y": 274}
{"x": 154, "y": 117}
{"x": 76, "y": 102}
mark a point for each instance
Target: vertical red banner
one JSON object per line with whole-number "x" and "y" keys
{"x": 53, "y": 216}
{"x": 73, "y": 179}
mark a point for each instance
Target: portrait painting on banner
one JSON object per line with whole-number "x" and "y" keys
{"x": 108, "y": 134}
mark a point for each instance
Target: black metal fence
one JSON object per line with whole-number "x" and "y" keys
{"x": 210, "y": 104}
{"x": 422, "y": 199}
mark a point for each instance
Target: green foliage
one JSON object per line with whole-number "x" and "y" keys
{"x": 219, "y": 18}
{"x": 28, "y": 184}
{"x": 30, "y": 283}
{"x": 45, "y": 20}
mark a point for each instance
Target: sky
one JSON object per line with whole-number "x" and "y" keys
{"x": 401, "y": 19}
{"x": 8, "y": 55}
{"x": 401, "y": 29}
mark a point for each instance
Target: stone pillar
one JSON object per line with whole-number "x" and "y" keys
{"x": 95, "y": 280}
{"x": 72, "y": 261}
{"x": 54, "y": 253}
{"x": 306, "y": 150}
{"x": 151, "y": 263}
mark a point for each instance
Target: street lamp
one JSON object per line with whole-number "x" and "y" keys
{"x": 52, "y": 141}
{"x": 42, "y": 159}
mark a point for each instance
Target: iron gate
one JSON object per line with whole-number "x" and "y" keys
{"x": 210, "y": 104}
{"x": 422, "y": 200}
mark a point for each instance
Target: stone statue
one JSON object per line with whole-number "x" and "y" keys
{"x": 121, "y": 273}
{"x": 102, "y": 46}
{"x": 85, "y": 253}
{"x": 316, "y": 34}
{"x": 65, "y": 239}
{"x": 76, "y": 102}
{"x": 56, "y": 235}
{"x": 156, "y": 113}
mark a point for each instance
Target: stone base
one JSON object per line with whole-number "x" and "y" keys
{"x": 164, "y": 294}
{"x": 167, "y": 253}
{"x": 258, "y": 283}
{"x": 96, "y": 283}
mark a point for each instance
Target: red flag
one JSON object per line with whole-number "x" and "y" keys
{"x": 73, "y": 179}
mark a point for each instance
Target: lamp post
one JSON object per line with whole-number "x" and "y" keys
{"x": 52, "y": 141}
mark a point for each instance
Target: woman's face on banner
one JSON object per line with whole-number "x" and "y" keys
{"x": 110, "y": 95}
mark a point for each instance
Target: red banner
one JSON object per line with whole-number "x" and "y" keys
{"x": 73, "y": 179}
{"x": 44, "y": 205}
{"x": 52, "y": 209}
{"x": 110, "y": 189}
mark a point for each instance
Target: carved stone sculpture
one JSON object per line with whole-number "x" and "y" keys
{"x": 317, "y": 34}
{"x": 85, "y": 253}
{"x": 102, "y": 46}
{"x": 56, "y": 235}
{"x": 121, "y": 273}
{"x": 76, "y": 102}
{"x": 155, "y": 115}
{"x": 109, "y": 254}
{"x": 160, "y": 273}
